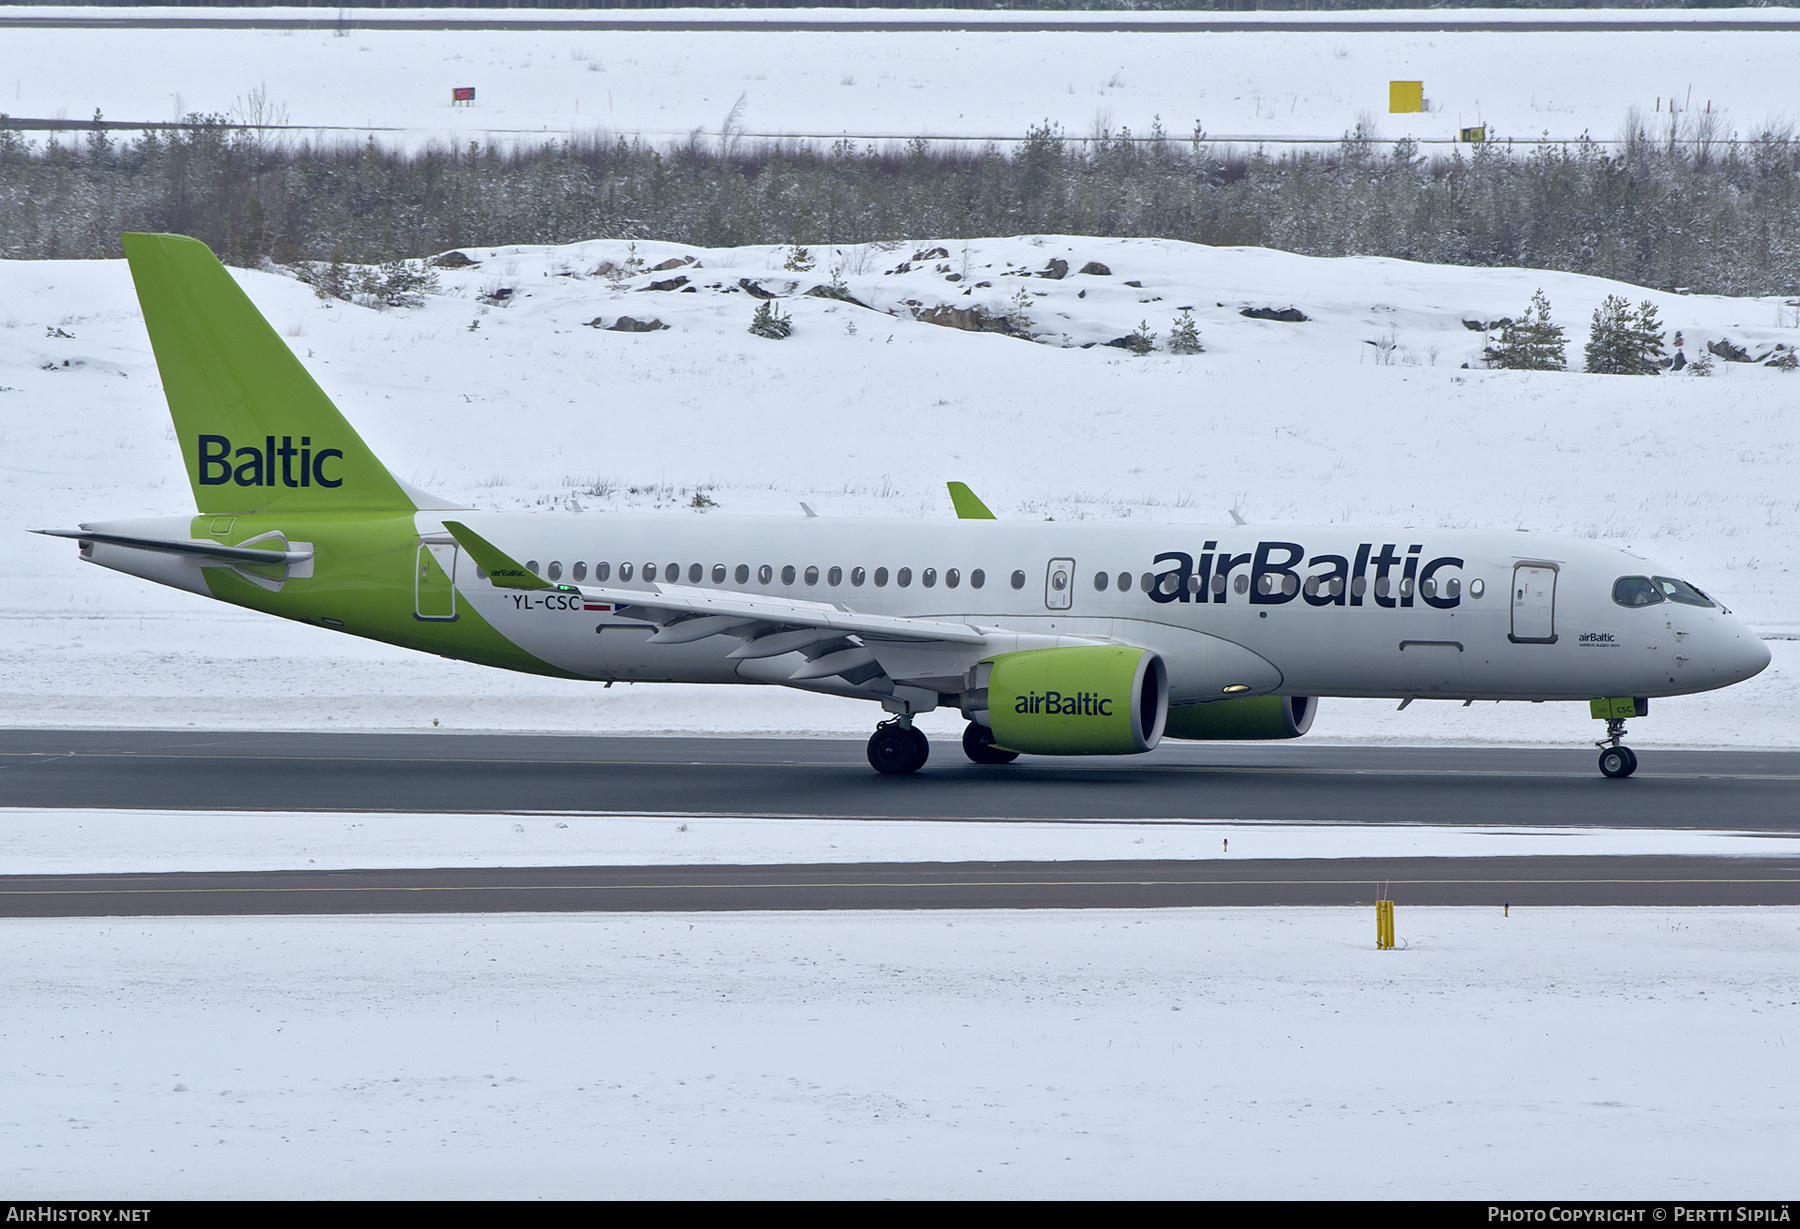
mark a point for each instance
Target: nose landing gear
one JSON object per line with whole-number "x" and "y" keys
{"x": 1616, "y": 759}
{"x": 897, "y": 747}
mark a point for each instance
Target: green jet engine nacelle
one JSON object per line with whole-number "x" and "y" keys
{"x": 1246, "y": 720}
{"x": 1083, "y": 700}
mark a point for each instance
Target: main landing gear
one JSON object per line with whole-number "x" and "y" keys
{"x": 897, "y": 747}
{"x": 978, "y": 745}
{"x": 1616, "y": 759}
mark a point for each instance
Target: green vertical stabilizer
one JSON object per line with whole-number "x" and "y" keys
{"x": 257, "y": 433}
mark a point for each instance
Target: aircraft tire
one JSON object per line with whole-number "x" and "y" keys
{"x": 978, "y": 745}
{"x": 1616, "y": 763}
{"x": 894, "y": 751}
{"x": 924, "y": 746}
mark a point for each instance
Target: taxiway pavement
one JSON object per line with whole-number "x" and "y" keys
{"x": 498, "y": 773}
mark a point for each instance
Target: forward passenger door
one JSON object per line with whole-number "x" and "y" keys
{"x": 1534, "y": 604}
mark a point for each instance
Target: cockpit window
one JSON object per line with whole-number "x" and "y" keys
{"x": 1636, "y": 591}
{"x": 1681, "y": 591}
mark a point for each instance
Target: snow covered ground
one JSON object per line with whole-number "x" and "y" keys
{"x": 1362, "y": 414}
{"x": 60, "y": 841}
{"x": 970, "y": 84}
{"x": 1558, "y": 1053}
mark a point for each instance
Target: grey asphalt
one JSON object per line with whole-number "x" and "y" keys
{"x": 1491, "y": 882}
{"x": 475, "y": 773}
{"x": 1449, "y": 23}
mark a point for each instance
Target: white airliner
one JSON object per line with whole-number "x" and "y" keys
{"x": 1051, "y": 638}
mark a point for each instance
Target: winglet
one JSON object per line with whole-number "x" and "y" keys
{"x": 968, "y": 505}
{"x": 501, "y": 568}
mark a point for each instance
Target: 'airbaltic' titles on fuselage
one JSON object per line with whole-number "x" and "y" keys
{"x": 265, "y": 466}
{"x": 1056, "y": 704}
{"x": 1273, "y": 576}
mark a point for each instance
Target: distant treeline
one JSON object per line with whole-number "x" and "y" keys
{"x": 1710, "y": 214}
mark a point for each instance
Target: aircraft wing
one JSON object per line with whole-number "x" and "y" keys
{"x": 835, "y": 640}
{"x": 678, "y": 607}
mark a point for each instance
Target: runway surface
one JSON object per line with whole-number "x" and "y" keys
{"x": 1492, "y": 882}
{"x": 1023, "y": 24}
{"x": 486, "y": 773}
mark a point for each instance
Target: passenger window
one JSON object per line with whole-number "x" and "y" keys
{"x": 1681, "y": 591}
{"x": 624, "y": 571}
{"x": 1453, "y": 587}
{"x": 857, "y": 576}
{"x": 1406, "y": 586}
{"x": 1101, "y": 580}
{"x": 835, "y": 577}
{"x": 1218, "y": 584}
{"x": 673, "y": 571}
{"x": 1428, "y": 587}
{"x": 1193, "y": 584}
{"x": 1312, "y": 586}
{"x": 977, "y": 578}
{"x": 718, "y": 573}
{"x": 555, "y": 569}
{"x": 695, "y": 572}
{"x": 1477, "y": 587}
{"x": 531, "y": 566}
{"x": 881, "y": 578}
{"x": 764, "y": 574}
{"x": 903, "y": 577}
{"x": 1169, "y": 583}
{"x": 602, "y": 571}
{"x": 742, "y": 574}
{"x": 1267, "y": 584}
{"x": 787, "y": 574}
{"x": 1018, "y": 580}
{"x": 812, "y": 576}
{"x": 1124, "y": 582}
{"x": 928, "y": 577}
{"x": 649, "y": 571}
{"x": 579, "y": 571}
{"x": 1242, "y": 583}
{"x": 1381, "y": 586}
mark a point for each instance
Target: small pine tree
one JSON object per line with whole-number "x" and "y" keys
{"x": 770, "y": 323}
{"x": 1184, "y": 336}
{"x": 1530, "y": 343}
{"x": 1143, "y": 341}
{"x": 1702, "y": 364}
{"x": 799, "y": 260}
{"x": 1018, "y": 314}
{"x": 1625, "y": 342}
{"x": 1787, "y": 360}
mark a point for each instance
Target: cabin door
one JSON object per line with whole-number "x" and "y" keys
{"x": 434, "y": 583}
{"x": 1534, "y": 604}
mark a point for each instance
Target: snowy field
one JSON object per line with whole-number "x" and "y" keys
{"x": 1362, "y": 414}
{"x": 1558, "y": 1053}
{"x": 61, "y": 841}
{"x": 971, "y": 85}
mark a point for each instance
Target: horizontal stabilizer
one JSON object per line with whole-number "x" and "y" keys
{"x": 197, "y": 547}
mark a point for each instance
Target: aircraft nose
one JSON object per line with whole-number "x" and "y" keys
{"x": 1750, "y": 655}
